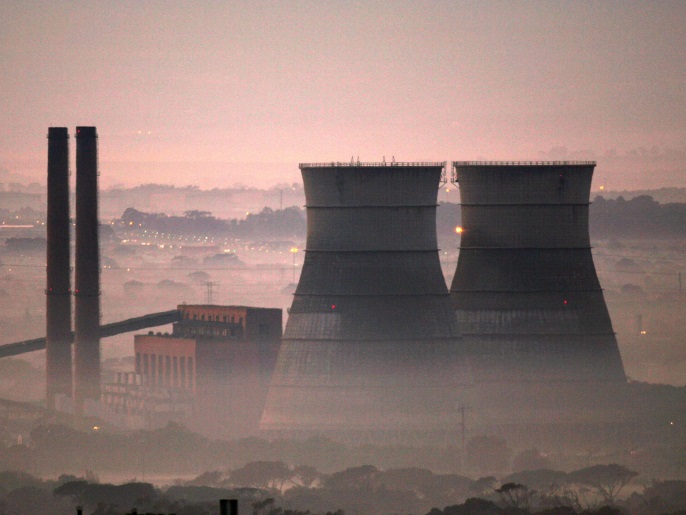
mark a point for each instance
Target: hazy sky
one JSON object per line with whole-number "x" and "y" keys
{"x": 215, "y": 93}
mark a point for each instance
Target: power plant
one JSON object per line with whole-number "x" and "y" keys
{"x": 375, "y": 344}
{"x": 372, "y": 345}
{"x": 58, "y": 287}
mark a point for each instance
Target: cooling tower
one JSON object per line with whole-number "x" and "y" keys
{"x": 371, "y": 346}
{"x": 526, "y": 291}
{"x": 87, "y": 272}
{"x": 58, "y": 287}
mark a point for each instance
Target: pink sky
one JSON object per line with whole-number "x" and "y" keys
{"x": 216, "y": 93}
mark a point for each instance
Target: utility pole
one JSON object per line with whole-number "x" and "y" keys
{"x": 209, "y": 285}
{"x": 463, "y": 431}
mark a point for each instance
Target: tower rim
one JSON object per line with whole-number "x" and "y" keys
{"x": 372, "y": 164}
{"x": 524, "y": 163}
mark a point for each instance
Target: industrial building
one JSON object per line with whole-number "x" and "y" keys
{"x": 372, "y": 347}
{"x": 211, "y": 372}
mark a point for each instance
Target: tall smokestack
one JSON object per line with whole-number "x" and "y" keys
{"x": 371, "y": 347}
{"x": 526, "y": 292}
{"x": 58, "y": 288}
{"x": 87, "y": 272}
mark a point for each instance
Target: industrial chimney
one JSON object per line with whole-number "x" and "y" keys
{"x": 526, "y": 291}
{"x": 87, "y": 272}
{"x": 58, "y": 287}
{"x": 371, "y": 346}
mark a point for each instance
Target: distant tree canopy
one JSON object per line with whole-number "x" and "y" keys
{"x": 26, "y": 244}
{"x": 606, "y": 480}
{"x": 641, "y": 216}
{"x": 266, "y": 223}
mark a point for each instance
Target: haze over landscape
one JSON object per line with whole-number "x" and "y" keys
{"x": 307, "y": 343}
{"x": 221, "y": 93}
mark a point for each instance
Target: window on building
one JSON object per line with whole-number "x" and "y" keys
{"x": 153, "y": 369}
{"x": 160, "y": 370}
{"x": 138, "y": 362}
{"x": 176, "y": 372}
{"x": 167, "y": 372}
{"x": 191, "y": 373}
{"x": 145, "y": 368}
{"x": 182, "y": 372}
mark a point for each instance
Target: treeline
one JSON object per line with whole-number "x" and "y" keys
{"x": 640, "y": 217}
{"x": 274, "y": 488}
{"x": 267, "y": 223}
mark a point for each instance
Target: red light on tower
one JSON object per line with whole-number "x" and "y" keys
{"x": 564, "y": 302}
{"x": 333, "y": 306}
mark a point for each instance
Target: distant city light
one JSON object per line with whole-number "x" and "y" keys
{"x": 459, "y": 230}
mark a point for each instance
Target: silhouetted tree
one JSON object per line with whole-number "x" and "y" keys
{"x": 306, "y": 475}
{"x": 606, "y": 480}
{"x": 262, "y": 474}
{"x": 362, "y": 478}
{"x": 515, "y": 495}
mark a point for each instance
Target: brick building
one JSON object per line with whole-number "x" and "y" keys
{"x": 211, "y": 372}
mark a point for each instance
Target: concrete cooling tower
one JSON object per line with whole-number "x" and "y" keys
{"x": 371, "y": 346}
{"x": 526, "y": 292}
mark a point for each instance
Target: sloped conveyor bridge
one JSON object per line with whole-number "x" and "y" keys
{"x": 112, "y": 329}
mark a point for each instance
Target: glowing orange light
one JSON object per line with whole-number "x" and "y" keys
{"x": 602, "y": 188}
{"x": 459, "y": 230}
